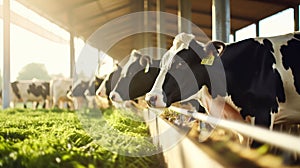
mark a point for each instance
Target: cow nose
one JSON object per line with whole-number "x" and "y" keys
{"x": 112, "y": 96}
{"x": 151, "y": 102}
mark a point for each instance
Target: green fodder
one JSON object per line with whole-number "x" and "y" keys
{"x": 56, "y": 138}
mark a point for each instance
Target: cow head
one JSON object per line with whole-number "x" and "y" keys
{"x": 185, "y": 68}
{"x": 93, "y": 86}
{"x": 137, "y": 77}
{"x": 110, "y": 81}
{"x": 80, "y": 89}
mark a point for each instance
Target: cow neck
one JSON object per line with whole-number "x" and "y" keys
{"x": 146, "y": 81}
{"x": 239, "y": 54}
{"x": 212, "y": 76}
{"x": 155, "y": 63}
{"x": 197, "y": 48}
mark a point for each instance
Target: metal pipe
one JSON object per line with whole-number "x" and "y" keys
{"x": 257, "y": 28}
{"x": 72, "y": 56}
{"x": 221, "y": 20}
{"x": 184, "y": 16}
{"x": 160, "y": 27}
{"x": 296, "y": 17}
{"x": 284, "y": 141}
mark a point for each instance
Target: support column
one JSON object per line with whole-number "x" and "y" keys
{"x": 257, "y": 28}
{"x": 221, "y": 20}
{"x": 72, "y": 55}
{"x": 234, "y": 36}
{"x": 296, "y": 17}
{"x": 147, "y": 23}
{"x": 160, "y": 27}
{"x": 138, "y": 6}
{"x": 184, "y": 11}
{"x": 6, "y": 55}
{"x": 72, "y": 48}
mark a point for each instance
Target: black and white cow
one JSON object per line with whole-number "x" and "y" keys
{"x": 261, "y": 75}
{"x": 95, "y": 91}
{"x": 109, "y": 82}
{"x": 83, "y": 92}
{"x": 137, "y": 77}
{"x": 59, "y": 90}
{"x": 30, "y": 91}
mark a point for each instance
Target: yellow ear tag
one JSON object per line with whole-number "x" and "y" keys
{"x": 209, "y": 60}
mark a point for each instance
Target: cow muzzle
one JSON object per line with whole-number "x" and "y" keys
{"x": 115, "y": 96}
{"x": 155, "y": 100}
{"x": 152, "y": 101}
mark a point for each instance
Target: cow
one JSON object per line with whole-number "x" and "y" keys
{"x": 83, "y": 92}
{"x": 30, "y": 91}
{"x": 59, "y": 91}
{"x": 260, "y": 75}
{"x": 137, "y": 77}
{"x": 95, "y": 91}
{"x": 109, "y": 83}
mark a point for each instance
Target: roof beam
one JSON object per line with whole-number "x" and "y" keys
{"x": 209, "y": 13}
{"x": 279, "y": 2}
{"x": 82, "y": 21}
{"x": 33, "y": 27}
{"x": 64, "y": 9}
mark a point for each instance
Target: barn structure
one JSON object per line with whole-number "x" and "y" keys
{"x": 216, "y": 18}
{"x": 151, "y": 27}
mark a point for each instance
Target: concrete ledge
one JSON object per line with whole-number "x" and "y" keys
{"x": 180, "y": 151}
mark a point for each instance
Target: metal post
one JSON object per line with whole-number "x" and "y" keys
{"x": 6, "y": 55}
{"x": 234, "y": 36}
{"x": 72, "y": 48}
{"x": 184, "y": 11}
{"x": 72, "y": 55}
{"x": 296, "y": 17}
{"x": 221, "y": 20}
{"x": 257, "y": 29}
{"x": 138, "y": 6}
{"x": 147, "y": 23}
{"x": 160, "y": 27}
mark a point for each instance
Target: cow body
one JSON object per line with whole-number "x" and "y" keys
{"x": 80, "y": 93}
{"x": 59, "y": 90}
{"x": 30, "y": 91}
{"x": 260, "y": 75}
{"x": 94, "y": 92}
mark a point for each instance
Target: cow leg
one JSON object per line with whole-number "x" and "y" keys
{"x": 25, "y": 105}
{"x": 44, "y": 105}
{"x": 263, "y": 119}
{"x": 37, "y": 105}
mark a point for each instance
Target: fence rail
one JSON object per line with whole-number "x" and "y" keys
{"x": 282, "y": 140}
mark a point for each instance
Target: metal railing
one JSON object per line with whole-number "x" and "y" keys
{"x": 281, "y": 140}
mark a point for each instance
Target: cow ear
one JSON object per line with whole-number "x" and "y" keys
{"x": 145, "y": 60}
{"x": 135, "y": 53}
{"x": 118, "y": 66}
{"x": 215, "y": 48}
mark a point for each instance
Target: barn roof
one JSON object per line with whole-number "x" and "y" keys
{"x": 83, "y": 17}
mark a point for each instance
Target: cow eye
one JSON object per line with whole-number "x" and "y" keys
{"x": 180, "y": 64}
{"x": 129, "y": 73}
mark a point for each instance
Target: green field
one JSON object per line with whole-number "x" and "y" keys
{"x": 56, "y": 138}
